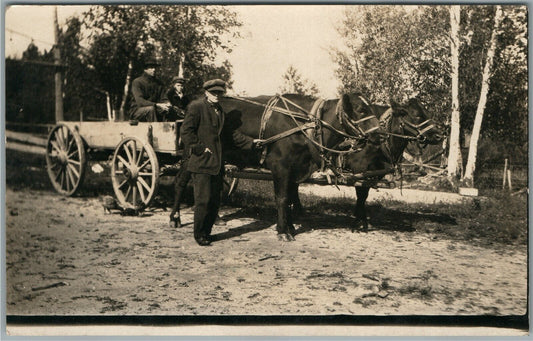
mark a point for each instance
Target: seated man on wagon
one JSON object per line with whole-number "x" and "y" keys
{"x": 177, "y": 98}
{"x": 150, "y": 103}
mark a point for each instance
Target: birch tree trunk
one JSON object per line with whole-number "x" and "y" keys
{"x": 468, "y": 179}
{"x": 121, "y": 113}
{"x": 454, "y": 153}
{"x": 180, "y": 67}
{"x": 110, "y": 113}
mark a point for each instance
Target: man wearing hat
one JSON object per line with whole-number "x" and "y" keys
{"x": 177, "y": 98}
{"x": 149, "y": 100}
{"x": 202, "y": 127}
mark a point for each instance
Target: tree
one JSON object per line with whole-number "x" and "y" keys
{"x": 468, "y": 178}
{"x": 396, "y": 52}
{"x": 404, "y": 51}
{"x": 186, "y": 38}
{"x": 80, "y": 96}
{"x": 294, "y": 84}
{"x": 455, "y": 163}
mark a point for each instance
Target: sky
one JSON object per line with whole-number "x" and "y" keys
{"x": 273, "y": 38}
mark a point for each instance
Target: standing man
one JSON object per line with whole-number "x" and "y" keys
{"x": 200, "y": 132}
{"x": 149, "y": 100}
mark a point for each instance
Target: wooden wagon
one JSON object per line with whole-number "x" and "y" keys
{"x": 139, "y": 152}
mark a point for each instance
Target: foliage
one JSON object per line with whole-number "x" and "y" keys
{"x": 174, "y": 34}
{"x": 294, "y": 84}
{"x": 97, "y": 48}
{"x": 403, "y": 51}
{"x": 30, "y": 87}
{"x": 396, "y": 52}
{"x": 81, "y": 97}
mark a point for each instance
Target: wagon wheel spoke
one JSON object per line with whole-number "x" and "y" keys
{"x": 122, "y": 183}
{"x": 127, "y": 193}
{"x": 74, "y": 162}
{"x": 58, "y": 139}
{"x": 72, "y": 155}
{"x": 62, "y": 178}
{"x": 139, "y": 159}
{"x": 58, "y": 174}
{"x": 134, "y": 195}
{"x": 70, "y": 178}
{"x": 144, "y": 184}
{"x": 139, "y": 187}
{"x": 144, "y": 164}
{"x": 145, "y": 174}
{"x": 63, "y": 138}
{"x": 124, "y": 162}
{"x": 134, "y": 153}
{"x": 55, "y": 147}
{"x": 74, "y": 170}
{"x": 128, "y": 153}
{"x": 70, "y": 143}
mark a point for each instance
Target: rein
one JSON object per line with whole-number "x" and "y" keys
{"x": 315, "y": 123}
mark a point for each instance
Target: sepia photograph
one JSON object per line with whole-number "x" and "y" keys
{"x": 305, "y": 170}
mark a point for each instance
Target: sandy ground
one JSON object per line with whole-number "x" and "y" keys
{"x": 65, "y": 256}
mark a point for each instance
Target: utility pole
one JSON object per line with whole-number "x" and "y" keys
{"x": 58, "y": 76}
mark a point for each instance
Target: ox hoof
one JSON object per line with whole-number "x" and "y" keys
{"x": 285, "y": 237}
{"x": 292, "y": 230}
{"x": 175, "y": 222}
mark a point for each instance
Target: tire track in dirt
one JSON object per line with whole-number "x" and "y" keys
{"x": 113, "y": 264}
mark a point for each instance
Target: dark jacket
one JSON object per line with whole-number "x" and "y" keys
{"x": 203, "y": 127}
{"x": 176, "y": 100}
{"x": 147, "y": 91}
{"x": 179, "y": 104}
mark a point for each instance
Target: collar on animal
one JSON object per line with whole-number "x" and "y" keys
{"x": 386, "y": 121}
{"x": 354, "y": 126}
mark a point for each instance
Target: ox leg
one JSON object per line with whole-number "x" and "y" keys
{"x": 294, "y": 200}
{"x": 281, "y": 190}
{"x": 360, "y": 209}
{"x": 181, "y": 180}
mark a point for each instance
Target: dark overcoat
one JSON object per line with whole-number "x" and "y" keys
{"x": 146, "y": 91}
{"x": 202, "y": 128}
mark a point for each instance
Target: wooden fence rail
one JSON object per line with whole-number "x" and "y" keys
{"x": 25, "y": 142}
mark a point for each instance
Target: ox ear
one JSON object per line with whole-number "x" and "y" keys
{"x": 351, "y": 104}
{"x": 397, "y": 109}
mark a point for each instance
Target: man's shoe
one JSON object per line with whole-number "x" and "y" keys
{"x": 220, "y": 222}
{"x": 203, "y": 241}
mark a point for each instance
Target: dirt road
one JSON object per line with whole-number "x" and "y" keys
{"x": 65, "y": 256}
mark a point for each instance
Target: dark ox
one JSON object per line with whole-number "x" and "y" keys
{"x": 294, "y": 158}
{"x": 402, "y": 123}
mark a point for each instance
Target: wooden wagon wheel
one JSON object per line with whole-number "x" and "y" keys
{"x": 134, "y": 173}
{"x": 65, "y": 159}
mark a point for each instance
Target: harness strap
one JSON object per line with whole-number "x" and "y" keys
{"x": 289, "y": 132}
{"x": 267, "y": 113}
{"x": 316, "y": 114}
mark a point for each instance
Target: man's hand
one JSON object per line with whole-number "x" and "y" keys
{"x": 164, "y": 106}
{"x": 258, "y": 144}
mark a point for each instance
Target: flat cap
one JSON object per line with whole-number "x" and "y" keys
{"x": 151, "y": 62}
{"x": 215, "y": 85}
{"x": 178, "y": 79}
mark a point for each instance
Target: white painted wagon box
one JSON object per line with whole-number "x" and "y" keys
{"x": 107, "y": 135}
